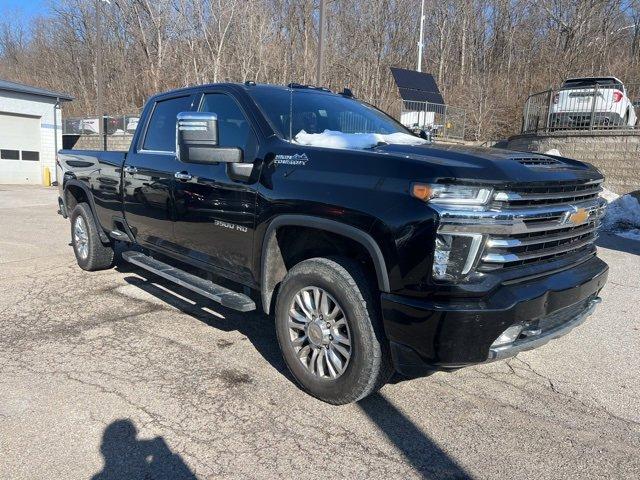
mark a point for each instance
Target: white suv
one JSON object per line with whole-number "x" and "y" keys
{"x": 596, "y": 102}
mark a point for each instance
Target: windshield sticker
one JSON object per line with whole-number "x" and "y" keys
{"x": 298, "y": 159}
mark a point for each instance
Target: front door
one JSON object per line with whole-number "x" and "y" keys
{"x": 149, "y": 173}
{"x": 215, "y": 214}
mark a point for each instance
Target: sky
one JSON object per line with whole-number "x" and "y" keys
{"x": 23, "y": 10}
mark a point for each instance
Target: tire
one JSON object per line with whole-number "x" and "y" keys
{"x": 90, "y": 252}
{"x": 344, "y": 284}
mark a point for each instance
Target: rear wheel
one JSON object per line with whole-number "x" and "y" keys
{"x": 90, "y": 252}
{"x": 330, "y": 332}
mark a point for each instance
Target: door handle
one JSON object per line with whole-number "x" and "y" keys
{"x": 184, "y": 176}
{"x": 130, "y": 170}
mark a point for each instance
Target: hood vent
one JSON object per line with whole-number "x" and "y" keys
{"x": 539, "y": 162}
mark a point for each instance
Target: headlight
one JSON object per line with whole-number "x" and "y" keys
{"x": 455, "y": 255}
{"x": 451, "y": 194}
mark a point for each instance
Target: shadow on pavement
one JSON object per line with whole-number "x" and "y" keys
{"x": 423, "y": 454}
{"x": 418, "y": 448}
{"x": 126, "y": 456}
{"x": 616, "y": 242}
{"x": 256, "y": 326}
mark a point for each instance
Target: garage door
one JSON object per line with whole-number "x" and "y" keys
{"x": 19, "y": 149}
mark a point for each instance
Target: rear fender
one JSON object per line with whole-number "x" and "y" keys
{"x": 72, "y": 182}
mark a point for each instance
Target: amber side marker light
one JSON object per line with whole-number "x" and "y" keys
{"x": 421, "y": 191}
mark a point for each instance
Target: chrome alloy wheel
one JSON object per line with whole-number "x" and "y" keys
{"x": 319, "y": 333}
{"x": 81, "y": 237}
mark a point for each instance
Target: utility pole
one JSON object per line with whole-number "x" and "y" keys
{"x": 99, "y": 84}
{"x": 421, "y": 41}
{"x": 321, "y": 38}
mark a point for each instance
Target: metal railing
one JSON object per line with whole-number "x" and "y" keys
{"x": 442, "y": 121}
{"x": 90, "y": 125}
{"x": 606, "y": 107}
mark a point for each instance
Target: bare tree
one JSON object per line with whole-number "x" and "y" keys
{"x": 487, "y": 55}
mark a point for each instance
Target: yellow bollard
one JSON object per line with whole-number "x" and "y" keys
{"x": 46, "y": 177}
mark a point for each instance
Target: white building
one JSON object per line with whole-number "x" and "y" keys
{"x": 30, "y": 132}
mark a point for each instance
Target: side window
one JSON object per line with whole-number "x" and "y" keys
{"x": 233, "y": 128}
{"x": 161, "y": 132}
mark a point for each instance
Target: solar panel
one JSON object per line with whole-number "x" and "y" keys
{"x": 416, "y": 86}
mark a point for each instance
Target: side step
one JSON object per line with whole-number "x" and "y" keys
{"x": 217, "y": 293}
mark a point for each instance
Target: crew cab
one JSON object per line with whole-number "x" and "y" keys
{"x": 595, "y": 102}
{"x": 374, "y": 250}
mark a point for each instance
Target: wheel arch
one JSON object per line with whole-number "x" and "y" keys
{"x": 273, "y": 268}
{"x": 76, "y": 192}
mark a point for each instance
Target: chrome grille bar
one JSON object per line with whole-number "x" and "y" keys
{"x": 545, "y": 252}
{"x": 512, "y": 222}
{"x": 546, "y": 195}
{"x": 514, "y": 196}
{"x": 517, "y": 242}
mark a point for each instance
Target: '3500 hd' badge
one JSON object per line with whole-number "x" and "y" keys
{"x": 297, "y": 159}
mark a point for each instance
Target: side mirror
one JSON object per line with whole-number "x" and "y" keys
{"x": 197, "y": 140}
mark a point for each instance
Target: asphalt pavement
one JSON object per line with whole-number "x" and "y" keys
{"x": 120, "y": 375}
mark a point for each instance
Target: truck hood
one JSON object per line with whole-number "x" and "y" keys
{"x": 483, "y": 165}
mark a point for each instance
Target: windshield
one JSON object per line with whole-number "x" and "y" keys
{"x": 292, "y": 112}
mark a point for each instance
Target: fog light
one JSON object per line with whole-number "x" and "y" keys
{"x": 508, "y": 336}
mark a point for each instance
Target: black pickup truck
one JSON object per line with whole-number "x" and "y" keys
{"x": 374, "y": 250}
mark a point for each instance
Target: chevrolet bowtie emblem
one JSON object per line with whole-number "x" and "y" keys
{"x": 580, "y": 215}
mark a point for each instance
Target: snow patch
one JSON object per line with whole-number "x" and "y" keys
{"x": 357, "y": 141}
{"x": 623, "y": 215}
{"x": 608, "y": 195}
{"x": 553, "y": 151}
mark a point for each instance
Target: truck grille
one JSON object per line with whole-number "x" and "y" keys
{"x": 522, "y": 249}
{"x": 559, "y": 220}
{"x": 542, "y": 195}
{"x": 529, "y": 224}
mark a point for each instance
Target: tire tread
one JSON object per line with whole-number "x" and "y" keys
{"x": 100, "y": 256}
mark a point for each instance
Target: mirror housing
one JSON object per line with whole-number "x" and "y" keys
{"x": 197, "y": 140}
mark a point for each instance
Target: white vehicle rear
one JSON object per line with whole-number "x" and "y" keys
{"x": 594, "y": 102}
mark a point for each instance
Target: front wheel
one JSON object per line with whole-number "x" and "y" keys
{"x": 330, "y": 332}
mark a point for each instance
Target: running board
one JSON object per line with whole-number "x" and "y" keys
{"x": 217, "y": 293}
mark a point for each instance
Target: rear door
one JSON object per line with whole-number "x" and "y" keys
{"x": 149, "y": 173}
{"x": 215, "y": 214}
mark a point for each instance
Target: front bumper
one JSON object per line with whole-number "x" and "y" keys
{"x": 577, "y": 317}
{"x": 426, "y": 336}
